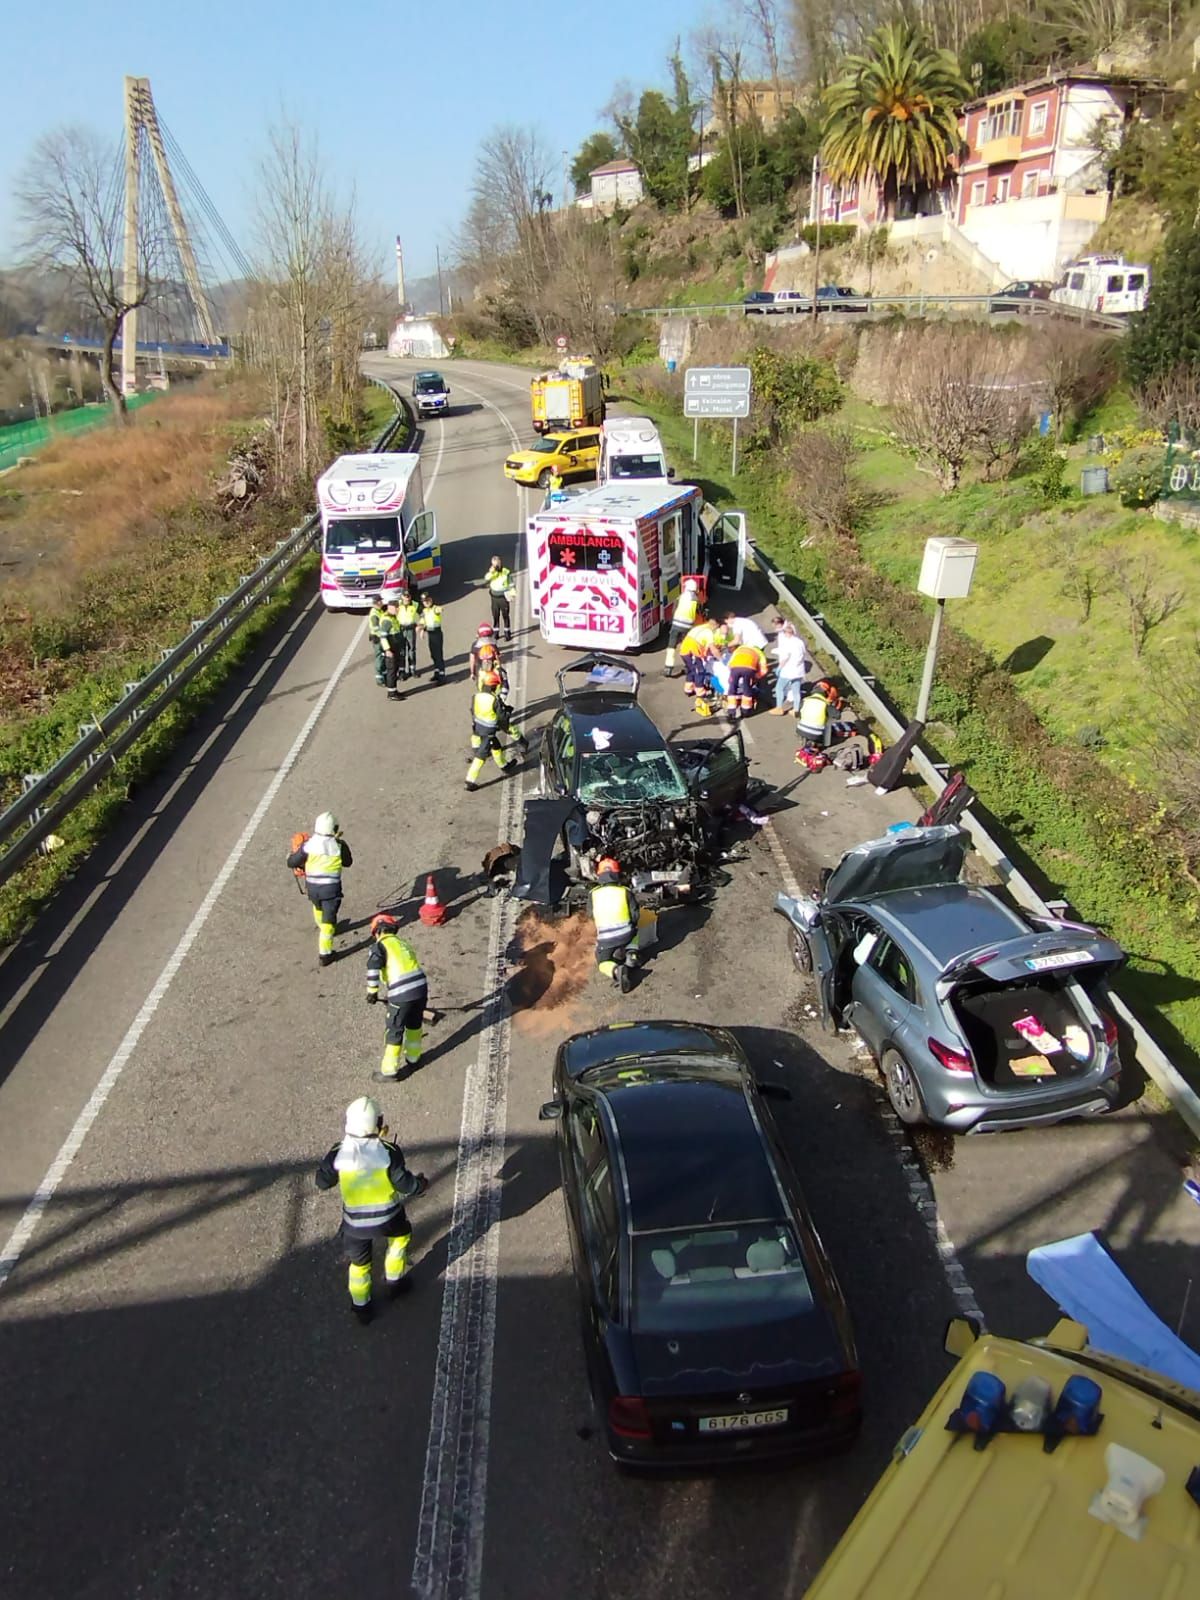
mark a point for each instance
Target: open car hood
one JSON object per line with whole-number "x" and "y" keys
{"x": 1067, "y": 949}
{"x": 917, "y": 858}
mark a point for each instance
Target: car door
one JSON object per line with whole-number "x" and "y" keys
{"x": 558, "y": 756}
{"x": 717, "y": 771}
{"x": 581, "y": 1148}
{"x": 587, "y": 448}
{"x": 883, "y": 992}
{"x": 726, "y": 542}
{"x": 422, "y": 552}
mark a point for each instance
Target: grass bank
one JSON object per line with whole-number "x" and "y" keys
{"x": 1091, "y": 834}
{"x": 114, "y": 591}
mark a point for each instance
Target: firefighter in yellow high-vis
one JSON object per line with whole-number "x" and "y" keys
{"x": 683, "y": 620}
{"x": 405, "y": 989}
{"x": 615, "y": 913}
{"x": 374, "y": 1181}
{"x": 321, "y": 855}
{"x": 490, "y": 718}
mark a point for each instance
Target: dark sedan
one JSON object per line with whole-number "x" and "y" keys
{"x": 758, "y": 302}
{"x": 1016, "y": 296}
{"x": 837, "y": 297}
{"x": 713, "y": 1326}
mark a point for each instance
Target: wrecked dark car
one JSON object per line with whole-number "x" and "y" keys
{"x": 981, "y": 1017}
{"x": 612, "y": 785}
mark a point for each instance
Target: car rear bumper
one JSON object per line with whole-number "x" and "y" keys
{"x": 999, "y": 1117}
{"x": 769, "y": 1445}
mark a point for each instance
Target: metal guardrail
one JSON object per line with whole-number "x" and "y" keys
{"x": 885, "y": 304}
{"x": 1150, "y": 1055}
{"x": 48, "y": 797}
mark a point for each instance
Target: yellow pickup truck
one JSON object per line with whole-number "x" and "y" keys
{"x": 1041, "y": 1470}
{"x": 565, "y": 455}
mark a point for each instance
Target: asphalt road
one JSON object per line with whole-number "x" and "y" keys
{"x": 190, "y": 1410}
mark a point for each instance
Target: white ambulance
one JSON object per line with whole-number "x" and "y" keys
{"x": 1103, "y": 283}
{"x": 606, "y": 566}
{"x": 375, "y": 530}
{"x": 631, "y": 448}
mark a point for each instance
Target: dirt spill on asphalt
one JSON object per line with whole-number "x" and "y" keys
{"x": 557, "y": 960}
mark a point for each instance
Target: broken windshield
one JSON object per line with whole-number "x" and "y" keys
{"x": 622, "y": 777}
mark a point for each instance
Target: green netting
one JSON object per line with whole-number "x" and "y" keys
{"x": 23, "y": 438}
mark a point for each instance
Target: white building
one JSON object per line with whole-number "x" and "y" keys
{"x": 616, "y": 183}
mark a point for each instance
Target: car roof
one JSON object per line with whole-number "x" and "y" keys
{"x": 619, "y": 1042}
{"x": 947, "y": 920}
{"x": 629, "y": 726}
{"x": 570, "y": 433}
{"x": 693, "y": 1153}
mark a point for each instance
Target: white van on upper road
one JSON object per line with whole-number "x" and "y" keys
{"x": 631, "y": 448}
{"x": 1103, "y": 283}
{"x": 375, "y": 531}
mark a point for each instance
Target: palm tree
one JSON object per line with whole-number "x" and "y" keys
{"x": 893, "y": 113}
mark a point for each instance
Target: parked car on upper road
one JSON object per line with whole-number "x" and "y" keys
{"x": 571, "y": 455}
{"x": 714, "y": 1329}
{"x": 1022, "y": 289}
{"x": 980, "y": 1017}
{"x": 791, "y": 300}
{"x": 758, "y": 301}
{"x": 837, "y": 297}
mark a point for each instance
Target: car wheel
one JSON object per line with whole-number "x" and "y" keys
{"x": 902, "y": 1088}
{"x": 800, "y": 951}
{"x": 544, "y": 478}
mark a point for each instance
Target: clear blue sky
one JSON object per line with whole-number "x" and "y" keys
{"x": 399, "y": 95}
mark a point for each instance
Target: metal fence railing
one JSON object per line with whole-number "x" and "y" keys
{"x": 48, "y": 797}
{"x": 1150, "y": 1055}
{"x": 877, "y": 306}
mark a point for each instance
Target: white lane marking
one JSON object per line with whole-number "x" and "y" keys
{"x": 448, "y": 1558}
{"x": 437, "y": 460}
{"x": 920, "y": 1190}
{"x": 25, "y": 1228}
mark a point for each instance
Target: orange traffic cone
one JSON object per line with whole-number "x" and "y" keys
{"x": 433, "y": 912}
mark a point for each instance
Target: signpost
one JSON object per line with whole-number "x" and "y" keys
{"x": 716, "y": 392}
{"x": 561, "y": 342}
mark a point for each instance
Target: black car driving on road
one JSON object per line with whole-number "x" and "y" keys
{"x": 714, "y": 1329}
{"x": 613, "y": 785}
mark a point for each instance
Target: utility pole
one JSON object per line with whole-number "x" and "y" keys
{"x": 816, "y": 181}
{"x": 566, "y": 182}
{"x": 400, "y": 275}
{"x": 441, "y": 298}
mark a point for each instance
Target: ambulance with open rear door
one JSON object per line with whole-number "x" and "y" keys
{"x": 606, "y": 566}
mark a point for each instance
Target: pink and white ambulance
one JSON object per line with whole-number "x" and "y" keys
{"x": 375, "y": 531}
{"x": 606, "y": 566}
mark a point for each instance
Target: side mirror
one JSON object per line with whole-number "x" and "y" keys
{"x": 670, "y": 472}
{"x": 774, "y": 1091}
{"x": 551, "y": 1111}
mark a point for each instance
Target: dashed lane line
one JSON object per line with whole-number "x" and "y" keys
{"x": 448, "y": 1558}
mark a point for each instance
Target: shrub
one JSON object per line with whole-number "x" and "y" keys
{"x": 1138, "y": 478}
{"x": 833, "y": 234}
{"x": 789, "y": 391}
{"x": 1047, "y": 469}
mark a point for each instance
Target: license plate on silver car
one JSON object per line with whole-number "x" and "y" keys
{"x": 744, "y": 1419}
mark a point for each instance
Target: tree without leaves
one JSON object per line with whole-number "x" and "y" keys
{"x": 1135, "y": 577}
{"x": 1172, "y": 399}
{"x": 69, "y": 208}
{"x": 1082, "y": 574}
{"x": 893, "y": 112}
{"x": 953, "y": 396}
{"x": 1078, "y": 366}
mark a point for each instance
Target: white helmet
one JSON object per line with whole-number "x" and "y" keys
{"x": 363, "y": 1117}
{"x": 691, "y": 586}
{"x": 326, "y": 823}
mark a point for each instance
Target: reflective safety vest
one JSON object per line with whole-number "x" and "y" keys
{"x": 698, "y": 641}
{"x": 745, "y": 655}
{"x": 431, "y": 617}
{"x": 374, "y": 621}
{"x": 814, "y": 714}
{"x": 323, "y": 860}
{"x": 369, "y": 1197}
{"x": 612, "y": 912}
{"x": 687, "y": 608}
{"x": 485, "y": 712}
{"x": 407, "y": 613}
{"x": 500, "y": 582}
{"x": 389, "y": 626}
{"x": 396, "y": 960}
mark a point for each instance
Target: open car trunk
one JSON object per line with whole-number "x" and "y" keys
{"x": 1022, "y": 1032}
